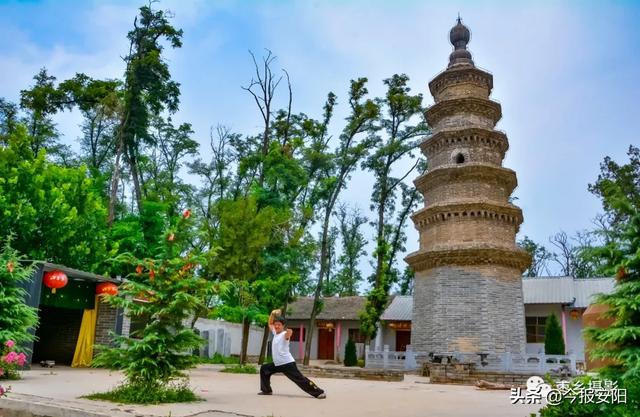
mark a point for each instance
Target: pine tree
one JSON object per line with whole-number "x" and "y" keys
{"x": 553, "y": 339}
{"x": 620, "y": 342}
{"x": 16, "y": 318}
{"x": 350, "y": 355}
{"x": 165, "y": 291}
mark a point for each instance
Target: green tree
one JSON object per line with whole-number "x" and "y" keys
{"x": 407, "y": 280}
{"x": 243, "y": 233}
{"x": 55, "y": 213}
{"x": 553, "y": 339}
{"x": 40, "y": 102}
{"x": 9, "y": 120}
{"x": 619, "y": 255}
{"x": 349, "y": 276}
{"x": 399, "y": 140}
{"x": 350, "y": 354}
{"x": 540, "y": 257}
{"x": 148, "y": 91}
{"x": 100, "y": 103}
{"x": 172, "y": 145}
{"x": 165, "y": 290}
{"x": 17, "y": 318}
{"x": 336, "y": 169}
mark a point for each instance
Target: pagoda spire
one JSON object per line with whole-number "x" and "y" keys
{"x": 459, "y": 37}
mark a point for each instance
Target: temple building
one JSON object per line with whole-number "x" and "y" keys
{"x": 468, "y": 285}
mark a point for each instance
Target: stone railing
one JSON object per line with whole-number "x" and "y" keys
{"x": 409, "y": 360}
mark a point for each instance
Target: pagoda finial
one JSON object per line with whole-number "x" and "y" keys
{"x": 459, "y": 37}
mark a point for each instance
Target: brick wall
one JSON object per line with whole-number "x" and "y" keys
{"x": 105, "y": 323}
{"x": 468, "y": 309}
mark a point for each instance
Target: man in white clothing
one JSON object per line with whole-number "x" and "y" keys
{"x": 283, "y": 360}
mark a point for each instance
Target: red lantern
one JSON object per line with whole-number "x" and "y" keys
{"x": 186, "y": 214}
{"x": 108, "y": 288}
{"x": 55, "y": 279}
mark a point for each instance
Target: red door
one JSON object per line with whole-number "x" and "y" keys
{"x": 325, "y": 344}
{"x": 403, "y": 338}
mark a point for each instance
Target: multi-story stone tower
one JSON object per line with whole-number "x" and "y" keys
{"x": 468, "y": 288}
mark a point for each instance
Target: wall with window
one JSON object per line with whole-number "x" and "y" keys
{"x": 347, "y": 328}
{"x": 535, "y": 318}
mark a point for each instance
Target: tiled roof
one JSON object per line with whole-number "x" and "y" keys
{"x": 401, "y": 308}
{"x": 564, "y": 290}
{"x": 334, "y": 308}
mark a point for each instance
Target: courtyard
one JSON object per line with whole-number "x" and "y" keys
{"x": 235, "y": 395}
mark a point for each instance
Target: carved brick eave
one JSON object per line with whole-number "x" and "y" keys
{"x": 473, "y": 135}
{"x": 468, "y": 105}
{"x": 480, "y": 210}
{"x": 423, "y": 260}
{"x": 460, "y": 75}
{"x": 456, "y": 172}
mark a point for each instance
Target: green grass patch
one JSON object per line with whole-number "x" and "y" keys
{"x": 136, "y": 394}
{"x": 240, "y": 369}
{"x": 218, "y": 359}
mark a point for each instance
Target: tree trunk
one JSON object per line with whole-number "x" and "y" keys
{"x": 133, "y": 164}
{"x": 316, "y": 296}
{"x": 115, "y": 179}
{"x": 263, "y": 347}
{"x": 245, "y": 340}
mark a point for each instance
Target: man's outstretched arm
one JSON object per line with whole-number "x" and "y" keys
{"x": 272, "y": 316}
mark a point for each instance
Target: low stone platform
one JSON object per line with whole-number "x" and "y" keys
{"x": 466, "y": 374}
{"x": 351, "y": 372}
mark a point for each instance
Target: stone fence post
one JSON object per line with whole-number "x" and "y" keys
{"x": 385, "y": 357}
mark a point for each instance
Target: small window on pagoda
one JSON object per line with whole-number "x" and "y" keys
{"x": 460, "y": 159}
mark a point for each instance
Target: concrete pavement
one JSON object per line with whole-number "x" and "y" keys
{"x": 228, "y": 395}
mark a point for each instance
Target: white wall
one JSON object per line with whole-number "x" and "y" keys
{"x": 233, "y": 334}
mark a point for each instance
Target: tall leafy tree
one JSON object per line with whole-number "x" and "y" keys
{"x": 40, "y": 102}
{"x": 337, "y": 168}
{"x": 173, "y": 145}
{"x": 148, "y": 91}
{"x": 55, "y": 213}
{"x": 9, "y": 119}
{"x": 619, "y": 256}
{"x": 349, "y": 276}
{"x": 100, "y": 103}
{"x": 540, "y": 257}
{"x": 244, "y": 231}
{"x": 398, "y": 138}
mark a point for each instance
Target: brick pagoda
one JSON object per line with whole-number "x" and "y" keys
{"x": 468, "y": 288}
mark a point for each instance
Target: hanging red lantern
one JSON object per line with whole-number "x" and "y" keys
{"x": 139, "y": 269}
{"x": 107, "y": 288}
{"x": 186, "y": 214}
{"x": 55, "y": 279}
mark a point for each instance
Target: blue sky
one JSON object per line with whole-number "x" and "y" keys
{"x": 566, "y": 73}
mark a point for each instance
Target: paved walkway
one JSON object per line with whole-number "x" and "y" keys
{"x": 235, "y": 395}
